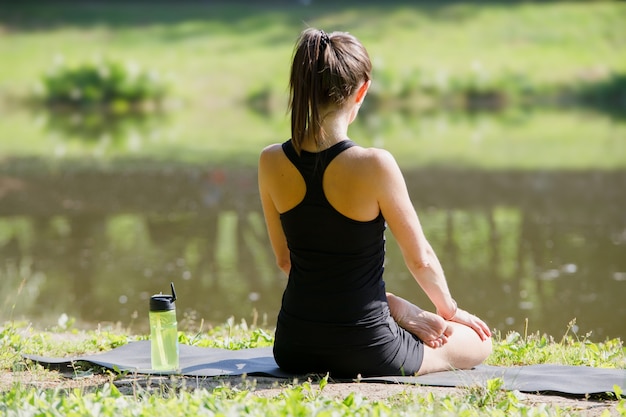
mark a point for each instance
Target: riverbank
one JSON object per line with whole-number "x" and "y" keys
{"x": 30, "y": 388}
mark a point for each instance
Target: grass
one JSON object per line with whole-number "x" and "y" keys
{"x": 531, "y": 349}
{"x": 294, "y": 398}
{"x": 297, "y": 401}
{"x": 219, "y": 54}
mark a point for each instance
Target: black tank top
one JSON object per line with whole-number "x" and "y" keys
{"x": 336, "y": 262}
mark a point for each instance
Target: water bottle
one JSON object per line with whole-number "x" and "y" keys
{"x": 163, "y": 332}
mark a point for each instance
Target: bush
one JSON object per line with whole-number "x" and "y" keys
{"x": 116, "y": 86}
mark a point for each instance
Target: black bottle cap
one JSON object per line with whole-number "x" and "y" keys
{"x": 163, "y": 302}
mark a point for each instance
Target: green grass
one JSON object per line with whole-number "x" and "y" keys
{"x": 205, "y": 43}
{"x": 531, "y": 349}
{"x": 509, "y": 350}
{"x": 303, "y": 400}
{"x": 217, "y": 55}
{"x": 295, "y": 398}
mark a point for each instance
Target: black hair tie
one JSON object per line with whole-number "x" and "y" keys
{"x": 324, "y": 39}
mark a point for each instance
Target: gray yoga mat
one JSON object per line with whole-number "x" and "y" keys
{"x": 210, "y": 362}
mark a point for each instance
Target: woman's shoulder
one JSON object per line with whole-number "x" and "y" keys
{"x": 272, "y": 149}
{"x": 372, "y": 157}
{"x": 372, "y": 166}
{"x": 271, "y": 153}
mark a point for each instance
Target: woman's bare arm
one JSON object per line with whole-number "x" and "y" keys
{"x": 271, "y": 214}
{"x": 419, "y": 256}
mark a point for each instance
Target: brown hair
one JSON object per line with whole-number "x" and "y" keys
{"x": 326, "y": 70}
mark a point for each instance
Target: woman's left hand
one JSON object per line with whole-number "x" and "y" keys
{"x": 475, "y": 323}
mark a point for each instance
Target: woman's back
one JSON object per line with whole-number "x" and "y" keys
{"x": 333, "y": 257}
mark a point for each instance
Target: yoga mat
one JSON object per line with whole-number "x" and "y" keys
{"x": 210, "y": 362}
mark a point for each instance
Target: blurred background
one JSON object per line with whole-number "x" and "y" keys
{"x": 130, "y": 131}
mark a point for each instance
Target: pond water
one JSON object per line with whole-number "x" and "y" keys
{"x": 543, "y": 246}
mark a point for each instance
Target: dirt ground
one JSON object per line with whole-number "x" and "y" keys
{"x": 271, "y": 387}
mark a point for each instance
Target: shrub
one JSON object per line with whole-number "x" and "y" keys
{"x": 117, "y": 87}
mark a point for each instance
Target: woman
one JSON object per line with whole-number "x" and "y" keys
{"x": 327, "y": 203}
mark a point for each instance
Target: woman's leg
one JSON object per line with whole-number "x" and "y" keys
{"x": 463, "y": 350}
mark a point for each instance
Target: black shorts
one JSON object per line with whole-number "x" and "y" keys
{"x": 381, "y": 349}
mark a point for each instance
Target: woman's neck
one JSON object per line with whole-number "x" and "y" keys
{"x": 335, "y": 128}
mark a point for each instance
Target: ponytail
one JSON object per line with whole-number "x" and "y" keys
{"x": 326, "y": 70}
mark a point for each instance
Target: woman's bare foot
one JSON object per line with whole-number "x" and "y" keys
{"x": 429, "y": 327}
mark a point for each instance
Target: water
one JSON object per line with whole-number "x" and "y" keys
{"x": 164, "y": 351}
{"x": 546, "y": 247}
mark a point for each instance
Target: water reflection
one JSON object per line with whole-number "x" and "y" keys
{"x": 96, "y": 244}
{"x": 102, "y": 132}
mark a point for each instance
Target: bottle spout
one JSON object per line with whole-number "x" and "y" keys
{"x": 173, "y": 291}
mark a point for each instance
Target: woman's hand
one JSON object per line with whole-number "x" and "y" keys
{"x": 480, "y": 327}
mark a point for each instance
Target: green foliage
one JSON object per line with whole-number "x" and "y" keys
{"x": 512, "y": 350}
{"x": 608, "y": 93}
{"x": 516, "y": 349}
{"x": 230, "y": 336}
{"x": 476, "y": 90}
{"x": 11, "y": 343}
{"x": 300, "y": 400}
{"x": 294, "y": 401}
{"x": 104, "y": 83}
{"x": 489, "y": 400}
{"x": 19, "y": 338}
{"x": 103, "y": 101}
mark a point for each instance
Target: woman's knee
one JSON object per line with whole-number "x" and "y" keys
{"x": 486, "y": 348}
{"x": 468, "y": 349}
{"x": 464, "y": 350}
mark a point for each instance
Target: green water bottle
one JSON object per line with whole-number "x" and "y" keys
{"x": 163, "y": 332}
